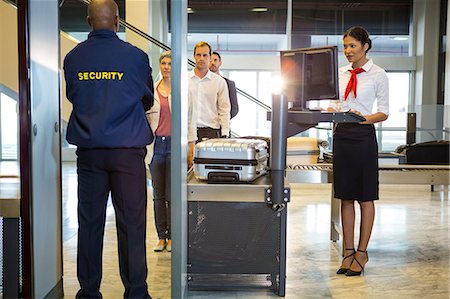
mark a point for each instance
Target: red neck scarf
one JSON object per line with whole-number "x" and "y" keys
{"x": 351, "y": 86}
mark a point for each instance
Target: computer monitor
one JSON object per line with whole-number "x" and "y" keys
{"x": 310, "y": 74}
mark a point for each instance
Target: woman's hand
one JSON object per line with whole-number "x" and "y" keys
{"x": 366, "y": 122}
{"x": 372, "y": 118}
{"x": 190, "y": 157}
{"x": 356, "y": 112}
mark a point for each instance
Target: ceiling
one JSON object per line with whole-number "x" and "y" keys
{"x": 322, "y": 17}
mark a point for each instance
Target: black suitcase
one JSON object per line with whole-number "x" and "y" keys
{"x": 435, "y": 152}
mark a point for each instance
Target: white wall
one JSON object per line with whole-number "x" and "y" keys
{"x": 8, "y": 50}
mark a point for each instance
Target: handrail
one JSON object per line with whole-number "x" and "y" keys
{"x": 11, "y": 2}
{"x": 190, "y": 62}
{"x": 254, "y": 100}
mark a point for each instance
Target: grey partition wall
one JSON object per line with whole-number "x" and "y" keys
{"x": 39, "y": 101}
{"x": 179, "y": 149}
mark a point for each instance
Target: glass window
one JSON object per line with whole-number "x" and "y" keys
{"x": 252, "y": 119}
{"x": 265, "y": 87}
{"x": 392, "y": 132}
{"x": 398, "y": 99}
{"x": 9, "y": 123}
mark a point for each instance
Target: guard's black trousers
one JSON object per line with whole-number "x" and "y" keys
{"x": 121, "y": 171}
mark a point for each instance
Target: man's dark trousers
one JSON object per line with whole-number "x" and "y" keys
{"x": 121, "y": 171}
{"x": 207, "y": 133}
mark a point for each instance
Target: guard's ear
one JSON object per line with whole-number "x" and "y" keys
{"x": 88, "y": 20}
{"x": 117, "y": 23}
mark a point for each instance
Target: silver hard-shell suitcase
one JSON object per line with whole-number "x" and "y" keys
{"x": 230, "y": 159}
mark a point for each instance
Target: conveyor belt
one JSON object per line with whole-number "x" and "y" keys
{"x": 388, "y": 174}
{"x": 313, "y": 173}
{"x": 321, "y": 167}
{"x": 393, "y": 167}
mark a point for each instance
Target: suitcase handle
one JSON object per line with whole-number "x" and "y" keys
{"x": 223, "y": 177}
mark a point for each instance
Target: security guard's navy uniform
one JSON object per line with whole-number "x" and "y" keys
{"x": 110, "y": 86}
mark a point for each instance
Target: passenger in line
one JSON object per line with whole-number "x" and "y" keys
{"x": 214, "y": 66}
{"x": 209, "y": 93}
{"x": 355, "y": 148}
{"x": 159, "y": 118}
{"x": 109, "y": 128}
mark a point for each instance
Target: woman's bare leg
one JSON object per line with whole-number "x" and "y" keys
{"x": 348, "y": 229}
{"x": 367, "y": 219}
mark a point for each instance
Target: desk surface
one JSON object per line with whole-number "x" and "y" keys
{"x": 9, "y": 169}
{"x": 9, "y": 197}
{"x": 237, "y": 192}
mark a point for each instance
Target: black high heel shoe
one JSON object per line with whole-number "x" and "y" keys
{"x": 357, "y": 273}
{"x": 344, "y": 270}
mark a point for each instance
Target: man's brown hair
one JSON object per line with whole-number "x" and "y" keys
{"x": 201, "y": 44}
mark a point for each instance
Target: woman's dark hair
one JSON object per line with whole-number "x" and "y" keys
{"x": 360, "y": 34}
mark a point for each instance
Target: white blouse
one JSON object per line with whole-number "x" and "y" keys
{"x": 372, "y": 86}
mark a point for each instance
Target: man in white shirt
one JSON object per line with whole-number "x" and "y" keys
{"x": 209, "y": 93}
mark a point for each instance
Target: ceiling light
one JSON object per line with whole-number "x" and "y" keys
{"x": 400, "y": 38}
{"x": 259, "y": 9}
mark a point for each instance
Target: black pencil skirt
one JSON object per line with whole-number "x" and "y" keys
{"x": 355, "y": 162}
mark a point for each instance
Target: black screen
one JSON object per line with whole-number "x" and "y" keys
{"x": 310, "y": 74}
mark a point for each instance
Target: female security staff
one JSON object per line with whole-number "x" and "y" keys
{"x": 355, "y": 148}
{"x": 159, "y": 118}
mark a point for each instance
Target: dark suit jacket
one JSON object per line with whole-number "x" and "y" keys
{"x": 233, "y": 98}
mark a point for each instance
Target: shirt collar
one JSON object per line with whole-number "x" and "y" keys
{"x": 191, "y": 73}
{"x": 102, "y": 33}
{"x": 366, "y": 67}
{"x": 207, "y": 76}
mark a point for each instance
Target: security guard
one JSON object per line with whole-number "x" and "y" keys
{"x": 110, "y": 86}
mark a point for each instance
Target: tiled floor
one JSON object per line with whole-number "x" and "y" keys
{"x": 409, "y": 249}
